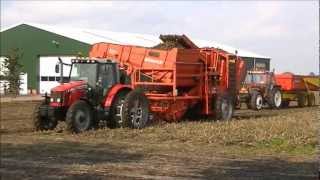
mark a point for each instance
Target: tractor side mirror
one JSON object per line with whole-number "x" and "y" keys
{"x": 57, "y": 69}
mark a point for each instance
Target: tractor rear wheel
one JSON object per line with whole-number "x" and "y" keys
{"x": 135, "y": 110}
{"x": 115, "y": 119}
{"x": 311, "y": 100}
{"x": 275, "y": 98}
{"x": 256, "y": 100}
{"x": 43, "y": 122}
{"x": 79, "y": 117}
{"x": 223, "y": 107}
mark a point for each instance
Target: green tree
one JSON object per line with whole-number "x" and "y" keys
{"x": 13, "y": 70}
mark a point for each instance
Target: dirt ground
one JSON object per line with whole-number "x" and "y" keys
{"x": 161, "y": 151}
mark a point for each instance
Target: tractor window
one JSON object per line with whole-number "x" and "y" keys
{"x": 256, "y": 78}
{"x": 107, "y": 75}
{"x": 84, "y": 72}
{"x": 248, "y": 78}
{"x": 259, "y": 78}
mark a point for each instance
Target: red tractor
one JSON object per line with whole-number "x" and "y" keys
{"x": 259, "y": 89}
{"x": 124, "y": 84}
{"x": 88, "y": 96}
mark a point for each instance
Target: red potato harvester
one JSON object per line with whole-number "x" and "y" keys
{"x": 124, "y": 85}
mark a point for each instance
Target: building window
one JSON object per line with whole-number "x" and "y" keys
{"x": 44, "y": 78}
{"x": 65, "y": 79}
{"x": 52, "y": 78}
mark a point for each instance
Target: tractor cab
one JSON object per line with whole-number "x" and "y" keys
{"x": 258, "y": 78}
{"x": 88, "y": 79}
{"x": 98, "y": 76}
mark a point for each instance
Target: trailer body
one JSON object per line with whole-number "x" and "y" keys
{"x": 300, "y": 88}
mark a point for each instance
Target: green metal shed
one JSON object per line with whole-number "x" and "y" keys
{"x": 33, "y": 42}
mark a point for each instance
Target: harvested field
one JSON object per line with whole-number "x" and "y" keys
{"x": 271, "y": 144}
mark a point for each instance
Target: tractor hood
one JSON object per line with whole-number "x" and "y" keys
{"x": 67, "y": 86}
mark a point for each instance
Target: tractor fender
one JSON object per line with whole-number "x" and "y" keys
{"x": 113, "y": 92}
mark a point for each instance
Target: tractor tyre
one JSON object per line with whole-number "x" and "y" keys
{"x": 135, "y": 110}
{"x": 42, "y": 123}
{"x": 302, "y": 100}
{"x": 80, "y": 117}
{"x": 275, "y": 98}
{"x": 285, "y": 104}
{"x": 223, "y": 107}
{"x": 256, "y": 100}
{"x": 311, "y": 99}
{"x": 115, "y": 120}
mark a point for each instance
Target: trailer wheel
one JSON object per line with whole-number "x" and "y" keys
{"x": 41, "y": 122}
{"x": 256, "y": 100}
{"x": 302, "y": 100}
{"x": 79, "y": 117}
{"x": 115, "y": 119}
{"x": 311, "y": 100}
{"x": 275, "y": 98}
{"x": 223, "y": 107}
{"x": 135, "y": 110}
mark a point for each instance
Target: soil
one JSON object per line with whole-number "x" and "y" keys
{"x": 138, "y": 154}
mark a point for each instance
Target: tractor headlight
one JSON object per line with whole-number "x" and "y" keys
{"x": 56, "y": 97}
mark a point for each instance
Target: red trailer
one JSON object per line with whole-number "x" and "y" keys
{"x": 121, "y": 84}
{"x": 300, "y": 88}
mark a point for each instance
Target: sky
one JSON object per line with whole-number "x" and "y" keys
{"x": 286, "y": 31}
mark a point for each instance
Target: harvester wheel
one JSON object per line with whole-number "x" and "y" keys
{"x": 311, "y": 100}
{"x": 115, "y": 119}
{"x": 223, "y": 107}
{"x": 256, "y": 100}
{"x": 135, "y": 110}
{"x": 302, "y": 100}
{"x": 79, "y": 117}
{"x": 275, "y": 98}
{"x": 40, "y": 122}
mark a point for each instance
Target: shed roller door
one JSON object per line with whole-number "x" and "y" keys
{"x": 48, "y": 78}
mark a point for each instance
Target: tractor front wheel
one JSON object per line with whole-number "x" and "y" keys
{"x": 135, "y": 110}
{"x": 79, "y": 117}
{"x": 256, "y": 100}
{"x": 41, "y": 121}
